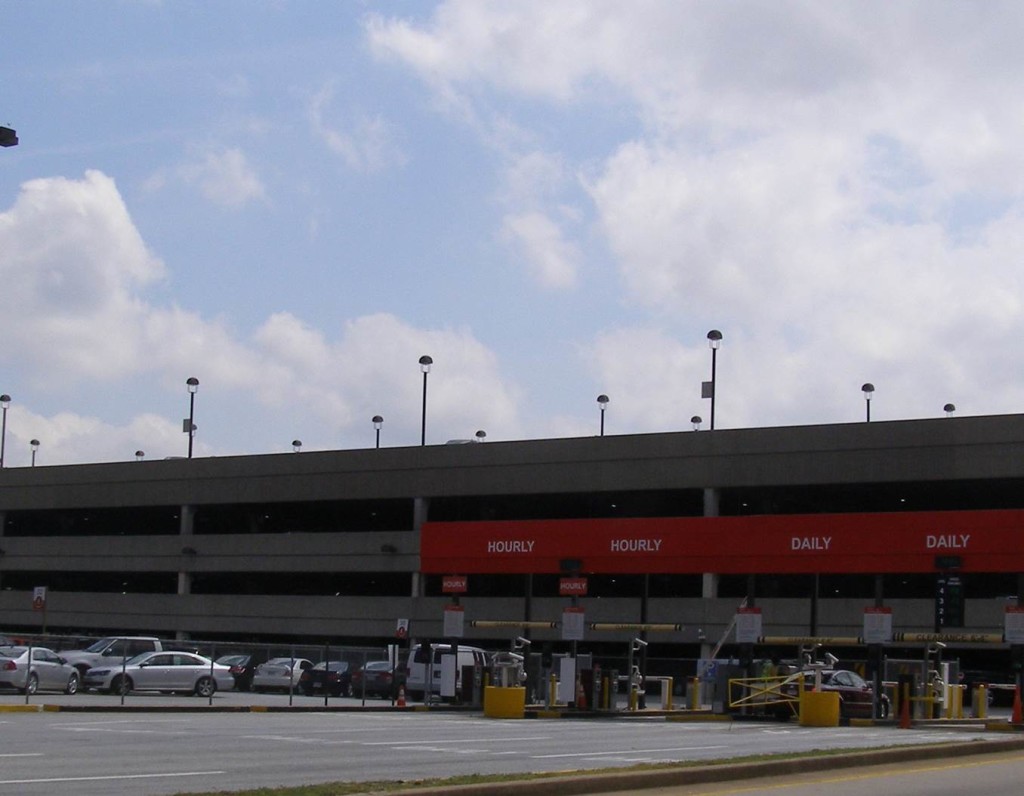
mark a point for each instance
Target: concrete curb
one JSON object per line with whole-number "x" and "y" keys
{"x": 696, "y": 775}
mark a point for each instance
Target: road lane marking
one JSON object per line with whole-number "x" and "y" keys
{"x": 505, "y": 739}
{"x": 21, "y": 754}
{"x": 112, "y": 777}
{"x": 609, "y": 753}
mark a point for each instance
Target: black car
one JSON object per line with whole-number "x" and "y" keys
{"x": 243, "y": 667}
{"x": 330, "y": 677}
{"x": 375, "y": 678}
{"x": 1000, "y": 686}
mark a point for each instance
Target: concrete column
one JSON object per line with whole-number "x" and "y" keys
{"x": 709, "y": 580}
{"x": 185, "y": 532}
{"x": 420, "y": 512}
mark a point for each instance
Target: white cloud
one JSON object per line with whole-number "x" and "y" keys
{"x": 552, "y": 260}
{"x": 225, "y": 177}
{"x": 843, "y": 204}
{"x": 365, "y": 144}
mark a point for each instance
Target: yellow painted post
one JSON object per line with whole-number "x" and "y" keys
{"x": 695, "y": 693}
{"x": 606, "y": 695}
{"x": 981, "y": 702}
{"x": 552, "y": 691}
{"x": 668, "y": 684}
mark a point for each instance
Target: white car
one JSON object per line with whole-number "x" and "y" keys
{"x": 280, "y": 674}
{"x": 162, "y": 671}
{"x": 48, "y": 672}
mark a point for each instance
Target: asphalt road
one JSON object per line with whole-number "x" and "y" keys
{"x": 156, "y": 752}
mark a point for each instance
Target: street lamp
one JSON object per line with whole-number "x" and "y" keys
{"x": 481, "y": 435}
{"x": 34, "y": 444}
{"x": 708, "y": 387}
{"x": 5, "y": 401}
{"x": 869, "y": 391}
{"x": 602, "y": 404}
{"x": 378, "y": 422}
{"x": 190, "y": 425}
{"x": 425, "y": 363}
{"x": 296, "y": 445}
{"x": 140, "y": 455}
{"x": 8, "y": 137}
{"x": 696, "y": 420}
{"x": 949, "y": 409}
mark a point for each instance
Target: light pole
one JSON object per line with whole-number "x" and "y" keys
{"x": 5, "y": 401}
{"x": 696, "y": 420}
{"x": 140, "y": 455}
{"x": 34, "y": 444}
{"x": 296, "y": 445}
{"x": 425, "y": 363}
{"x": 602, "y": 404}
{"x": 869, "y": 391}
{"x": 378, "y": 422}
{"x": 708, "y": 387}
{"x": 949, "y": 409}
{"x": 481, "y": 435}
{"x": 193, "y": 384}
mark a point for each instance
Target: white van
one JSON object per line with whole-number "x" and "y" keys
{"x": 420, "y": 667}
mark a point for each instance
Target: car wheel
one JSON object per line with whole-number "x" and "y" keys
{"x": 72, "y": 686}
{"x": 32, "y": 685}
{"x": 205, "y": 687}
{"x": 121, "y": 685}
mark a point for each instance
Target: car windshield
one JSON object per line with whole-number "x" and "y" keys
{"x": 99, "y": 646}
{"x": 233, "y": 660}
{"x": 377, "y": 666}
{"x": 279, "y": 662}
{"x": 13, "y": 652}
{"x": 138, "y": 658}
{"x": 334, "y": 666}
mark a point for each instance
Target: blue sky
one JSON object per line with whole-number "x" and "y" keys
{"x": 292, "y": 201}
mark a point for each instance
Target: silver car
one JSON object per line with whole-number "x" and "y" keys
{"x": 279, "y": 674}
{"x": 162, "y": 671}
{"x": 47, "y": 672}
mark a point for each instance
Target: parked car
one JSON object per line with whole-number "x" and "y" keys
{"x": 243, "y": 668}
{"x": 48, "y": 670}
{"x": 161, "y": 671}
{"x": 330, "y": 677}
{"x": 279, "y": 674}
{"x": 375, "y": 678}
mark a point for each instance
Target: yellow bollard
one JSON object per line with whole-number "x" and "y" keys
{"x": 606, "y": 695}
{"x": 667, "y": 700}
{"x": 552, "y": 691}
{"x": 980, "y": 702}
{"x": 695, "y": 693}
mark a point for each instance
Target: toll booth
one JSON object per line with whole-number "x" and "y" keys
{"x": 507, "y": 670}
{"x": 472, "y": 685}
{"x": 724, "y": 672}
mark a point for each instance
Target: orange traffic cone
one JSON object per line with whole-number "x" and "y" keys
{"x": 1016, "y": 707}
{"x": 905, "y": 709}
{"x": 401, "y": 696}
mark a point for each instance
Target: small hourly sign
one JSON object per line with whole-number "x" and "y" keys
{"x": 573, "y": 587}
{"x": 454, "y": 584}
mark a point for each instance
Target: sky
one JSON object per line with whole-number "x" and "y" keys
{"x": 294, "y": 200}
